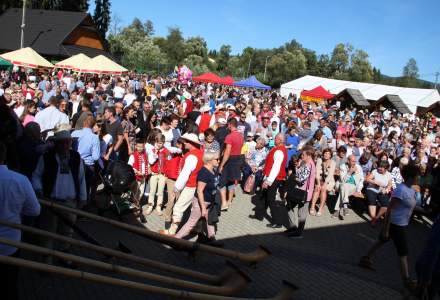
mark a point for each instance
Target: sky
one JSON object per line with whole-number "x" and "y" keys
{"x": 390, "y": 31}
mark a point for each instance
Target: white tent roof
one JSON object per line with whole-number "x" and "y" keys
{"x": 410, "y": 96}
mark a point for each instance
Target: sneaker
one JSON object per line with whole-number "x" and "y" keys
{"x": 345, "y": 212}
{"x": 159, "y": 211}
{"x": 335, "y": 214}
{"x": 149, "y": 209}
{"x": 291, "y": 229}
{"x": 214, "y": 243}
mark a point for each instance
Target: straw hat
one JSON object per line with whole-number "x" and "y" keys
{"x": 191, "y": 137}
{"x": 61, "y": 132}
{"x": 205, "y": 108}
{"x": 33, "y": 86}
{"x": 222, "y": 121}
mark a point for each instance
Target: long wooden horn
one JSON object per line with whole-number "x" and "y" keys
{"x": 232, "y": 286}
{"x": 251, "y": 257}
{"x": 212, "y": 279}
{"x": 285, "y": 293}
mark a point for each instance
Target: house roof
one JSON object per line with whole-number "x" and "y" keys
{"x": 357, "y": 97}
{"x": 395, "y": 101}
{"x": 412, "y": 97}
{"x": 45, "y": 30}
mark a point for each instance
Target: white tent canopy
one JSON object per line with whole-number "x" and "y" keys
{"x": 410, "y": 96}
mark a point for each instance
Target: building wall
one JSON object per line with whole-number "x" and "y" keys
{"x": 84, "y": 37}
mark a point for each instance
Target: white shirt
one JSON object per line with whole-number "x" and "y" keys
{"x": 118, "y": 92}
{"x": 50, "y": 117}
{"x": 129, "y": 98}
{"x": 278, "y": 157}
{"x": 64, "y": 187}
{"x": 16, "y": 198}
{"x": 19, "y": 110}
{"x": 131, "y": 162}
{"x": 394, "y": 128}
{"x": 168, "y": 136}
{"x": 189, "y": 166}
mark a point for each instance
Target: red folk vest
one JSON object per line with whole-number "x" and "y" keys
{"x": 172, "y": 169}
{"x": 189, "y": 106}
{"x": 159, "y": 165}
{"x": 192, "y": 180}
{"x": 205, "y": 119}
{"x": 269, "y": 163}
{"x": 140, "y": 158}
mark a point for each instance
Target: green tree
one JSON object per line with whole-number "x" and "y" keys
{"x": 360, "y": 69}
{"x": 340, "y": 60}
{"x": 149, "y": 28}
{"x": 286, "y": 66}
{"x": 323, "y": 66}
{"x": 235, "y": 67}
{"x": 410, "y": 73}
{"x": 101, "y": 17}
{"x": 196, "y": 46}
{"x": 223, "y": 57}
{"x": 174, "y": 46}
{"x": 196, "y": 64}
{"x": 311, "y": 61}
{"x": 135, "y": 49}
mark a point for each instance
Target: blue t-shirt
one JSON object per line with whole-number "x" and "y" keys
{"x": 401, "y": 214}
{"x": 211, "y": 180}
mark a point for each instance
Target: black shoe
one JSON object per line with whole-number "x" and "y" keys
{"x": 255, "y": 217}
{"x": 142, "y": 219}
{"x": 274, "y": 226}
{"x": 295, "y": 235}
{"x": 291, "y": 229}
{"x": 345, "y": 212}
{"x": 214, "y": 243}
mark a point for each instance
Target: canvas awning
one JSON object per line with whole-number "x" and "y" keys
{"x": 102, "y": 65}
{"x": 4, "y": 64}
{"x": 227, "y": 80}
{"x": 353, "y": 95}
{"x": 252, "y": 82}
{"x": 208, "y": 77}
{"x": 317, "y": 94}
{"x": 392, "y": 101}
{"x": 27, "y": 57}
{"x": 75, "y": 62}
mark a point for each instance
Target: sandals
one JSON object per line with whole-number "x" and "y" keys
{"x": 318, "y": 214}
{"x": 312, "y": 212}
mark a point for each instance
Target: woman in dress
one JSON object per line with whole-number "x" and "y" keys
{"x": 204, "y": 204}
{"x": 129, "y": 130}
{"x": 325, "y": 180}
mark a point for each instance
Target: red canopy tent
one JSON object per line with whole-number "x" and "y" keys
{"x": 316, "y": 95}
{"x": 227, "y": 80}
{"x": 208, "y": 77}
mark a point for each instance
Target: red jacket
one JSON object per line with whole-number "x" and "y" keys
{"x": 269, "y": 163}
{"x": 192, "y": 180}
{"x": 172, "y": 169}
{"x": 189, "y": 106}
{"x": 159, "y": 165}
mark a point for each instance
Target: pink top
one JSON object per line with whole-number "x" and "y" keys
{"x": 27, "y": 119}
{"x": 309, "y": 185}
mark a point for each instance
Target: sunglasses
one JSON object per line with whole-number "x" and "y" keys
{"x": 351, "y": 141}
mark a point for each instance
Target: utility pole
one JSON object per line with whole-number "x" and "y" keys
{"x": 265, "y": 66}
{"x": 436, "y": 79}
{"x": 23, "y": 24}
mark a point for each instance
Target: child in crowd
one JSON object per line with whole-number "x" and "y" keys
{"x": 138, "y": 160}
{"x": 157, "y": 160}
{"x": 275, "y": 130}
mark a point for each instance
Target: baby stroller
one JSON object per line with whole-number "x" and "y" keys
{"x": 119, "y": 179}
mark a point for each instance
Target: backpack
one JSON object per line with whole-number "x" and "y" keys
{"x": 119, "y": 177}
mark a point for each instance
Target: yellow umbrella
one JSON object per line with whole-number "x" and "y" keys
{"x": 27, "y": 57}
{"x": 74, "y": 62}
{"x": 103, "y": 65}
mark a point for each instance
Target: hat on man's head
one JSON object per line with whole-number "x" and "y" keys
{"x": 33, "y": 86}
{"x": 191, "y": 137}
{"x": 222, "y": 121}
{"x": 61, "y": 132}
{"x": 205, "y": 108}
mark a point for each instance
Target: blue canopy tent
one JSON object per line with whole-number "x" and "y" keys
{"x": 252, "y": 82}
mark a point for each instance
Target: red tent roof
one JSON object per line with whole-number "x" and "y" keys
{"x": 227, "y": 80}
{"x": 208, "y": 77}
{"x": 318, "y": 92}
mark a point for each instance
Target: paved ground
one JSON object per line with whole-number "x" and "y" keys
{"x": 323, "y": 264}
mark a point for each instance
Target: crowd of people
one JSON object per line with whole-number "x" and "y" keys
{"x": 191, "y": 146}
